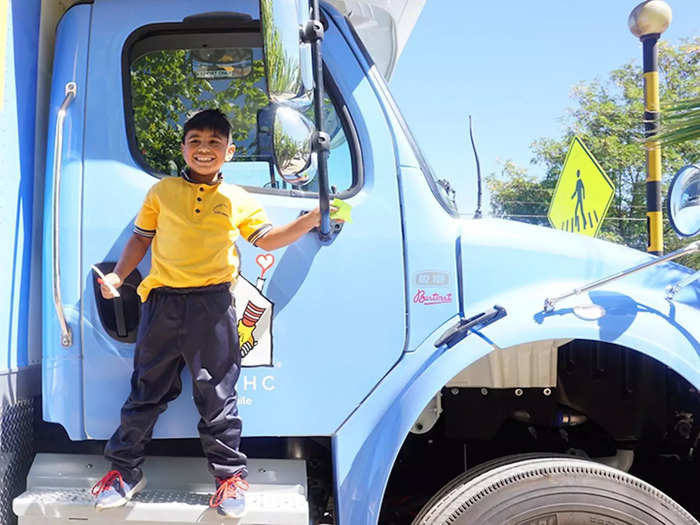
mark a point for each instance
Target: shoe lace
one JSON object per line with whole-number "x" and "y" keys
{"x": 107, "y": 481}
{"x": 228, "y": 489}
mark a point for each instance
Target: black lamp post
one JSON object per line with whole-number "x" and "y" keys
{"x": 647, "y": 21}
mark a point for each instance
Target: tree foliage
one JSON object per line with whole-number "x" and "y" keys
{"x": 164, "y": 92}
{"x": 607, "y": 117}
{"x": 519, "y": 196}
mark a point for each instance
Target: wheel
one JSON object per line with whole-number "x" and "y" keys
{"x": 550, "y": 491}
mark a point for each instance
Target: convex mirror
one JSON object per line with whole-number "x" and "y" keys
{"x": 292, "y": 135}
{"x": 287, "y": 58}
{"x": 684, "y": 201}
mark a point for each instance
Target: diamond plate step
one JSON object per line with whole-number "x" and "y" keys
{"x": 178, "y": 492}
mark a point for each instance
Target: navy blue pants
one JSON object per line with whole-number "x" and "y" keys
{"x": 197, "y": 327}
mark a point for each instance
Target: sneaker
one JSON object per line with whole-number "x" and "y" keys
{"x": 112, "y": 491}
{"x": 229, "y": 496}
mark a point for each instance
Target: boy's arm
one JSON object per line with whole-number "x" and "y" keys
{"x": 134, "y": 251}
{"x": 281, "y": 236}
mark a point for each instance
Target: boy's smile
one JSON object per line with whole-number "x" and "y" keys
{"x": 205, "y": 151}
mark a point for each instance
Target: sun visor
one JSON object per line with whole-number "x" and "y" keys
{"x": 383, "y": 25}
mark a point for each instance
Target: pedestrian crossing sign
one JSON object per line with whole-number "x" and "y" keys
{"x": 583, "y": 193}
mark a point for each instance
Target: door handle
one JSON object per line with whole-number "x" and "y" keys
{"x": 461, "y": 329}
{"x": 120, "y": 316}
{"x": 66, "y": 335}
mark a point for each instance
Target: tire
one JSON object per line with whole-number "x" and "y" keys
{"x": 531, "y": 490}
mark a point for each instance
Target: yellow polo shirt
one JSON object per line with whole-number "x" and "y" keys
{"x": 194, "y": 227}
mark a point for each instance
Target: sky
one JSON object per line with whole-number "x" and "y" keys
{"x": 512, "y": 66}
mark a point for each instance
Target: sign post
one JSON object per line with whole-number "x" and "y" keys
{"x": 583, "y": 193}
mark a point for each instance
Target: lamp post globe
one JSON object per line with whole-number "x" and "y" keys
{"x": 650, "y": 17}
{"x": 647, "y": 21}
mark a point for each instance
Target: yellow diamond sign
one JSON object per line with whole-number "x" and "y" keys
{"x": 582, "y": 195}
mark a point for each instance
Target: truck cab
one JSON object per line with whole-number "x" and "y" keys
{"x": 409, "y": 343}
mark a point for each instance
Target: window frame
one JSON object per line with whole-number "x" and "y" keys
{"x": 189, "y": 27}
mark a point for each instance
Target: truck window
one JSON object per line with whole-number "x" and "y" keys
{"x": 173, "y": 75}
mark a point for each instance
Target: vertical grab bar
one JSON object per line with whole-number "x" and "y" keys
{"x": 66, "y": 335}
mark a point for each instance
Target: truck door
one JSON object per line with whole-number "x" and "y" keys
{"x": 322, "y": 323}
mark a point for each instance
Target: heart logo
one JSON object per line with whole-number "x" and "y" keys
{"x": 265, "y": 261}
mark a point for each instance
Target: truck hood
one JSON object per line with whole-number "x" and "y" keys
{"x": 517, "y": 266}
{"x": 548, "y": 262}
{"x": 383, "y": 25}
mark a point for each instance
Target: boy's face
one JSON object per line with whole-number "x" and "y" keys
{"x": 205, "y": 151}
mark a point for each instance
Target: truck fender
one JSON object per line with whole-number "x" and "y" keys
{"x": 368, "y": 442}
{"x": 636, "y": 316}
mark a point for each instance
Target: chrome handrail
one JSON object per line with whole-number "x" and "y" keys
{"x": 66, "y": 335}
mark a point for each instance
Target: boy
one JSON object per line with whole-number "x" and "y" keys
{"x": 187, "y": 317}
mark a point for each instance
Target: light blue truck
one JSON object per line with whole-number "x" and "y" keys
{"x": 409, "y": 366}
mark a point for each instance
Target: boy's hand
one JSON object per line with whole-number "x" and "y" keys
{"x": 281, "y": 236}
{"x": 315, "y": 216}
{"x": 113, "y": 279}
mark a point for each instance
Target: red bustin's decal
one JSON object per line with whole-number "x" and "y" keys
{"x": 435, "y": 298}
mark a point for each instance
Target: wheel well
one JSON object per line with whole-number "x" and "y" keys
{"x": 579, "y": 397}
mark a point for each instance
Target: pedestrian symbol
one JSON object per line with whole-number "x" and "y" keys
{"x": 582, "y": 195}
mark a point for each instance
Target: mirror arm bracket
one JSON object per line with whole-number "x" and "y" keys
{"x": 321, "y": 145}
{"x": 672, "y": 290}
{"x": 550, "y": 302}
{"x": 311, "y": 32}
{"x": 321, "y": 142}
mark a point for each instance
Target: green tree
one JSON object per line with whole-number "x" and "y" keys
{"x": 517, "y": 195}
{"x": 607, "y": 116}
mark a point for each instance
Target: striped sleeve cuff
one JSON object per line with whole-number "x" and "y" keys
{"x": 144, "y": 233}
{"x": 259, "y": 233}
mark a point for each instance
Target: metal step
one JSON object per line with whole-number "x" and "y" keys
{"x": 177, "y": 492}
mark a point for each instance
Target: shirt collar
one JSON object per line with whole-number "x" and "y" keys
{"x": 185, "y": 174}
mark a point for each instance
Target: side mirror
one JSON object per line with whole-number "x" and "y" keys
{"x": 684, "y": 201}
{"x": 288, "y": 65}
{"x": 292, "y": 134}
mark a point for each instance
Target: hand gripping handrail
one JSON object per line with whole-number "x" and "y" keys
{"x": 66, "y": 335}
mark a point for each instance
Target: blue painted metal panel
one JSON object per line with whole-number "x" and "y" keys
{"x": 525, "y": 264}
{"x": 366, "y": 446}
{"x": 430, "y": 258}
{"x": 62, "y": 367}
{"x": 17, "y": 108}
{"x": 429, "y": 231}
{"x": 517, "y": 266}
{"x": 339, "y": 309}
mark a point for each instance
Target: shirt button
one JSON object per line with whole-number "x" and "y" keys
{"x": 199, "y": 199}
{"x": 201, "y": 189}
{"x": 196, "y": 210}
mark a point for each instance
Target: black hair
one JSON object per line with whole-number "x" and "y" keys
{"x": 211, "y": 119}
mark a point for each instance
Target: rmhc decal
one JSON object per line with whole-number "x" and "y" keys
{"x": 255, "y": 316}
